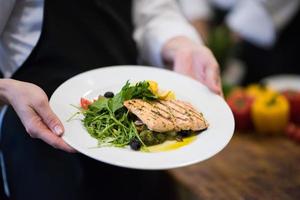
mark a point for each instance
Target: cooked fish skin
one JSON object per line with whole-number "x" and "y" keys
{"x": 167, "y": 115}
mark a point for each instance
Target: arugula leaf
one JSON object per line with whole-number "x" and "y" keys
{"x": 141, "y": 91}
{"x": 117, "y": 101}
{"x": 138, "y": 91}
{"x": 100, "y": 104}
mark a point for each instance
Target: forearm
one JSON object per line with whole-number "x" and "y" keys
{"x": 174, "y": 46}
{"x": 165, "y": 37}
{"x": 157, "y": 22}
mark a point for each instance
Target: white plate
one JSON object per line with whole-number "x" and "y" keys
{"x": 92, "y": 83}
{"x": 283, "y": 82}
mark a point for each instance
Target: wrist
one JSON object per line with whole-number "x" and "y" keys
{"x": 5, "y": 90}
{"x": 176, "y": 45}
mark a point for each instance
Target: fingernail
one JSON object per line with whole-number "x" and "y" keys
{"x": 58, "y": 130}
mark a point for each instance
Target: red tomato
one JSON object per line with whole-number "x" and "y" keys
{"x": 84, "y": 103}
{"x": 294, "y": 100}
{"x": 240, "y": 104}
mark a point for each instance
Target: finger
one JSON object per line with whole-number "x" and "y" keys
{"x": 55, "y": 141}
{"x": 49, "y": 117}
{"x": 38, "y": 129}
{"x": 213, "y": 79}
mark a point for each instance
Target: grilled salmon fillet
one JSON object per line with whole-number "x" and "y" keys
{"x": 163, "y": 116}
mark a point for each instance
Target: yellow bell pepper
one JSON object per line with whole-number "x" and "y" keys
{"x": 256, "y": 90}
{"x": 164, "y": 95}
{"x": 167, "y": 95}
{"x": 153, "y": 87}
{"x": 270, "y": 113}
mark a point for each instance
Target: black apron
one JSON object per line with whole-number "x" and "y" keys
{"x": 77, "y": 35}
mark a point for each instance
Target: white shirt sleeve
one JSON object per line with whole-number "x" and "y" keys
{"x": 6, "y": 7}
{"x": 156, "y": 22}
{"x": 196, "y": 9}
{"x": 20, "y": 34}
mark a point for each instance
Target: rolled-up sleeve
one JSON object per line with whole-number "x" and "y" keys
{"x": 156, "y": 22}
{"x": 196, "y": 9}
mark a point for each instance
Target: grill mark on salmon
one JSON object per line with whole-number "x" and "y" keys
{"x": 188, "y": 122}
{"x": 193, "y": 114}
{"x": 198, "y": 115}
{"x": 190, "y": 110}
{"x": 173, "y": 119}
{"x": 147, "y": 113}
{"x": 163, "y": 116}
{"x": 156, "y": 111}
{"x": 184, "y": 122}
{"x": 173, "y": 109}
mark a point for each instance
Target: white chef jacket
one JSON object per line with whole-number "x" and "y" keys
{"x": 156, "y": 21}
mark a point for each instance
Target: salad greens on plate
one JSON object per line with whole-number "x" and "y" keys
{"x": 110, "y": 122}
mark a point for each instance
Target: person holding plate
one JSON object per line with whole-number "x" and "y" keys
{"x": 42, "y": 44}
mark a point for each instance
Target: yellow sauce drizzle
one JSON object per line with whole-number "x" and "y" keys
{"x": 171, "y": 145}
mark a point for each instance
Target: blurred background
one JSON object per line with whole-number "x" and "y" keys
{"x": 251, "y": 39}
{"x": 256, "y": 44}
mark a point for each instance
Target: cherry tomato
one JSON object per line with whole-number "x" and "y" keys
{"x": 84, "y": 103}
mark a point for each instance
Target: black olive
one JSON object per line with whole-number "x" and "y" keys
{"x": 135, "y": 144}
{"x": 109, "y": 94}
{"x": 184, "y": 133}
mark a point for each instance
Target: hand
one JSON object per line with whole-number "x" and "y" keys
{"x": 193, "y": 60}
{"x": 31, "y": 104}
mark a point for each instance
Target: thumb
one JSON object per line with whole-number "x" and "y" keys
{"x": 49, "y": 118}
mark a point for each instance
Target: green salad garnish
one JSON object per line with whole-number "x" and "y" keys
{"x": 109, "y": 121}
